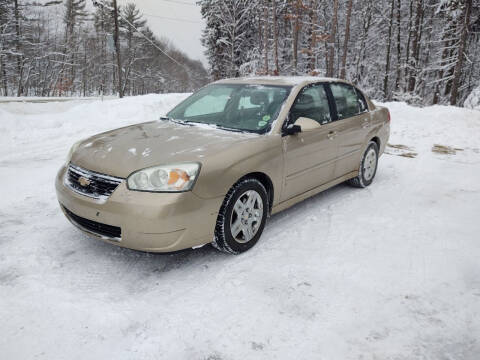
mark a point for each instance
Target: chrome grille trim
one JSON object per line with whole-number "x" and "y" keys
{"x": 101, "y": 185}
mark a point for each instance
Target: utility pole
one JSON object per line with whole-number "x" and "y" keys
{"x": 117, "y": 49}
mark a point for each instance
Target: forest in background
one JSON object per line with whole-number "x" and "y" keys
{"x": 66, "y": 48}
{"x": 420, "y": 51}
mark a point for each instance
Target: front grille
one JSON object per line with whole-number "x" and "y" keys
{"x": 90, "y": 183}
{"x": 109, "y": 231}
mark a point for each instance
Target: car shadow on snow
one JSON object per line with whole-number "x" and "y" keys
{"x": 92, "y": 264}
{"x": 166, "y": 262}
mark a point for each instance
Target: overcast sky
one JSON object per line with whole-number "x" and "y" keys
{"x": 178, "y": 20}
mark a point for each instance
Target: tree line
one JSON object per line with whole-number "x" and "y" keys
{"x": 420, "y": 51}
{"x": 64, "y": 48}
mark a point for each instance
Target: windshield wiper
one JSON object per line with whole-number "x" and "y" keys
{"x": 192, "y": 123}
{"x": 229, "y": 129}
{"x": 176, "y": 121}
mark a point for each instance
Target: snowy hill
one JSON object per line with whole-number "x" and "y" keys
{"x": 387, "y": 272}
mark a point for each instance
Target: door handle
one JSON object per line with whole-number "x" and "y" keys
{"x": 332, "y": 135}
{"x": 366, "y": 124}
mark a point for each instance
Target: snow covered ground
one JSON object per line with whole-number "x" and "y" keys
{"x": 387, "y": 272}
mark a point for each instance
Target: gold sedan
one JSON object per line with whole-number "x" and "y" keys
{"x": 221, "y": 162}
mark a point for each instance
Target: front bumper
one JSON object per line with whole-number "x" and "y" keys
{"x": 156, "y": 222}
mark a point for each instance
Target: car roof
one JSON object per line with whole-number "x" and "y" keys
{"x": 278, "y": 80}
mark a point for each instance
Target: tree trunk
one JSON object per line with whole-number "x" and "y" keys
{"x": 296, "y": 30}
{"x": 387, "y": 60}
{"x": 407, "y": 50}
{"x": 333, "y": 34}
{"x": 265, "y": 36}
{"x": 4, "y": 76}
{"x": 17, "y": 46}
{"x": 445, "y": 52}
{"x": 313, "y": 34}
{"x": 84, "y": 70}
{"x": 117, "y": 49}
{"x": 415, "y": 46}
{"x": 428, "y": 51}
{"x": 359, "y": 66}
{"x": 399, "y": 48}
{"x": 275, "y": 36}
{"x": 345, "y": 41}
{"x": 450, "y": 54}
{"x": 460, "y": 53}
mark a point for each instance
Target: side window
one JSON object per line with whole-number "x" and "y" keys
{"x": 362, "y": 102}
{"x": 210, "y": 104}
{"x": 311, "y": 102}
{"x": 346, "y": 100}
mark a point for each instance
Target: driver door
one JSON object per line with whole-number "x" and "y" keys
{"x": 310, "y": 156}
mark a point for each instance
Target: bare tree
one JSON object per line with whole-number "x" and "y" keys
{"x": 298, "y": 7}
{"x": 417, "y": 33}
{"x": 331, "y": 47}
{"x": 399, "y": 45}
{"x": 346, "y": 39}
{"x": 389, "y": 45}
{"x": 19, "y": 51}
{"x": 467, "y": 6}
{"x": 117, "y": 49}
{"x": 313, "y": 35}
{"x": 131, "y": 22}
{"x": 275, "y": 36}
{"x": 266, "y": 29}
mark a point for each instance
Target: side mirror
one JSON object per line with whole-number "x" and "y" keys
{"x": 302, "y": 124}
{"x": 292, "y": 129}
{"x": 307, "y": 124}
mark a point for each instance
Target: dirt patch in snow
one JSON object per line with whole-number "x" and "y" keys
{"x": 400, "y": 150}
{"x": 445, "y": 150}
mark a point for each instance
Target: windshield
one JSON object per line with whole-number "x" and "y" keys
{"x": 233, "y": 106}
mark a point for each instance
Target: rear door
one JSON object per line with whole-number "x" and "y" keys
{"x": 353, "y": 122}
{"x": 310, "y": 156}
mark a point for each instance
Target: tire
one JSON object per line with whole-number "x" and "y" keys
{"x": 237, "y": 213}
{"x": 366, "y": 174}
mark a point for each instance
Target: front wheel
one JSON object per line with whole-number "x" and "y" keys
{"x": 368, "y": 167}
{"x": 242, "y": 217}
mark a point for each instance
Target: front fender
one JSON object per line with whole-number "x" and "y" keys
{"x": 220, "y": 172}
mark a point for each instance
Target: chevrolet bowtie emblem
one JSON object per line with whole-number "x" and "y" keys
{"x": 83, "y": 181}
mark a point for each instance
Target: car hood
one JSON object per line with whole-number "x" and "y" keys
{"x": 122, "y": 151}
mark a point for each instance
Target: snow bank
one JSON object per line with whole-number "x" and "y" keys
{"x": 387, "y": 272}
{"x": 60, "y": 124}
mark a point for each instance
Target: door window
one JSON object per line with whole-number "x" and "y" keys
{"x": 312, "y": 102}
{"x": 346, "y": 100}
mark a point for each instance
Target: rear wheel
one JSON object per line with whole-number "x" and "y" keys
{"x": 242, "y": 217}
{"x": 368, "y": 167}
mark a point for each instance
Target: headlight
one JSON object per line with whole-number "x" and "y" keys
{"x": 72, "y": 150}
{"x": 165, "y": 178}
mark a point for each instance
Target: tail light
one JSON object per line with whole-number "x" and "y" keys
{"x": 388, "y": 116}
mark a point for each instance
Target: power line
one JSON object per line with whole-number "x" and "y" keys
{"x": 98, "y": 3}
{"x": 174, "y": 19}
{"x": 155, "y": 45}
{"x": 180, "y": 2}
